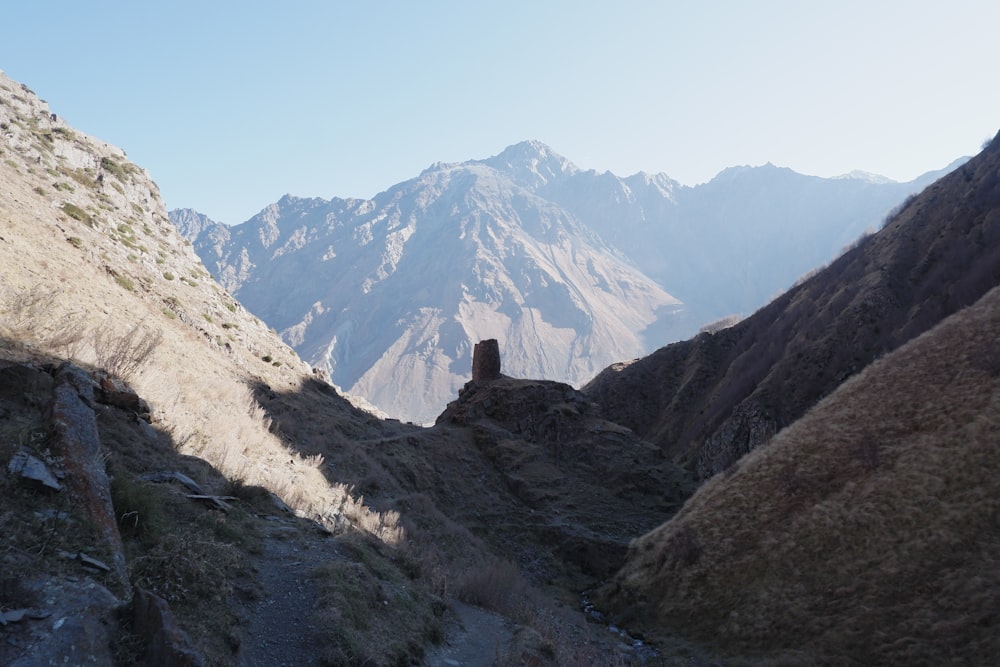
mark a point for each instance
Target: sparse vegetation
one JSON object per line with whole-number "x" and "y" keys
{"x": 125, "y": 282}
{"x": 124, "y": 354}
{"x": 77, "y": 213}
{"x": 119, "y": 171}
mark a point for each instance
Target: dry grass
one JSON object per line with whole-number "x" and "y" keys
{"x": 865, "y": 532}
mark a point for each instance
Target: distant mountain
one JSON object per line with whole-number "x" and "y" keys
{"x": 732, "y": 244}
{"x": 711, "y": 399}
{"x": 389, "y": 295}
{"x": 570, "y": 269}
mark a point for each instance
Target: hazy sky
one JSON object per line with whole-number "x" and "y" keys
{"x": 231, "y": 104}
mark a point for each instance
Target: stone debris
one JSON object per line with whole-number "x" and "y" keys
{"x": 173, "y": 476}
{"x": 217, "y": 502}
{"x": 85, "y": 559}
{"x": 33, "y": 470}
{"x": 116, "y": 392}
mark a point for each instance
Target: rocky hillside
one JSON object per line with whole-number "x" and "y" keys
{"x": 865, "y": 533}
{"x": 525, "y": 247}
{"x": 179, "y": 487}
{"x": 709, "y": 400}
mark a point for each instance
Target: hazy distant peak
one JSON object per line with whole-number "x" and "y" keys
{"x": 768, "y": 170}
{"x": 190, "y": 223}
{"x": 859, "y": 175}
{"x": 531, "y": 164}
{"x": 661, "y": 182}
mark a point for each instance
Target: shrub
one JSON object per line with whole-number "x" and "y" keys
{"x": 125, "y": 282}
{"x": 168, "y": 276}
{"x": 125, "y": 354}
{"x": 75, "y": 241}
{"x": 77, "y": 213}
{"x": 118, "y": 171}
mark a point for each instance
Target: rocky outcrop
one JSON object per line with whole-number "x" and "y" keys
{"x": 74, "y": 429}
{"x": 75, "y": 624}
{"x": 166, "y": 644}
{"x": 582, "y": 484}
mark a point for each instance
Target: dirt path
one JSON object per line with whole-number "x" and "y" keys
{"x": 474, "y": 637}
{"x": 281, "y": 631}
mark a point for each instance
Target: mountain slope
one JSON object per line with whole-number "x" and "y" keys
{"x": 401, "y": 286}
{"x": 711, "y": 399}
{"x": 865, "y": 533}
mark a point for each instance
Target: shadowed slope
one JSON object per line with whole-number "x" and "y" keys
{"x": 711, "y": 399}
{"x": 867, "y": 531}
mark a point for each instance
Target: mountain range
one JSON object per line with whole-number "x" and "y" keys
{"x": 571, "y": 270}
{"x": 814, "y": 484}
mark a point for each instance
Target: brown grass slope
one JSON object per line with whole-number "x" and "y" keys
{"x": 709, "y": 400}
{"x": 866, "y": 533}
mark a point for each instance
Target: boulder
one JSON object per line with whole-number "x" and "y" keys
{"x": 166, "y": 644}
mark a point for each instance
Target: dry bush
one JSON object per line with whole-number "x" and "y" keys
{"x": 123, "y": 355}
{"x": 23, "y": 309}
{"x": 40, "y": 315}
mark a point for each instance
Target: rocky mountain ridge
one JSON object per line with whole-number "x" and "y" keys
{"x": 403, "y": 285}
{"x": 528, "y": 248}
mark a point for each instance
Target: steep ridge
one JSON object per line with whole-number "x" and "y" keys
{"x": 709, "y": 400}
{"x": 401, "y": 286}
{"x": 865, "y": 533}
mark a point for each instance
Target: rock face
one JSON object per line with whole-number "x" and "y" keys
{"x": 75, "y": 625}
{"x": 166, "y": 644}
{"x": 77, "y": 439}
{"x": 486, "y": 360}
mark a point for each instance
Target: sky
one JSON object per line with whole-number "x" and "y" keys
{"x": 231, "y": 104}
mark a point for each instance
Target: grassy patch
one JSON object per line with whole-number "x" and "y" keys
{"x": 372, "y": 613}
{"x": 77, "y": 213}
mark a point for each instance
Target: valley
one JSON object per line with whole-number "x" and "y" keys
{"x": 811, "y": 484}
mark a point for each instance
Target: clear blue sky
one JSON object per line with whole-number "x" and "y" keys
{"x": 231, "y": 104}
